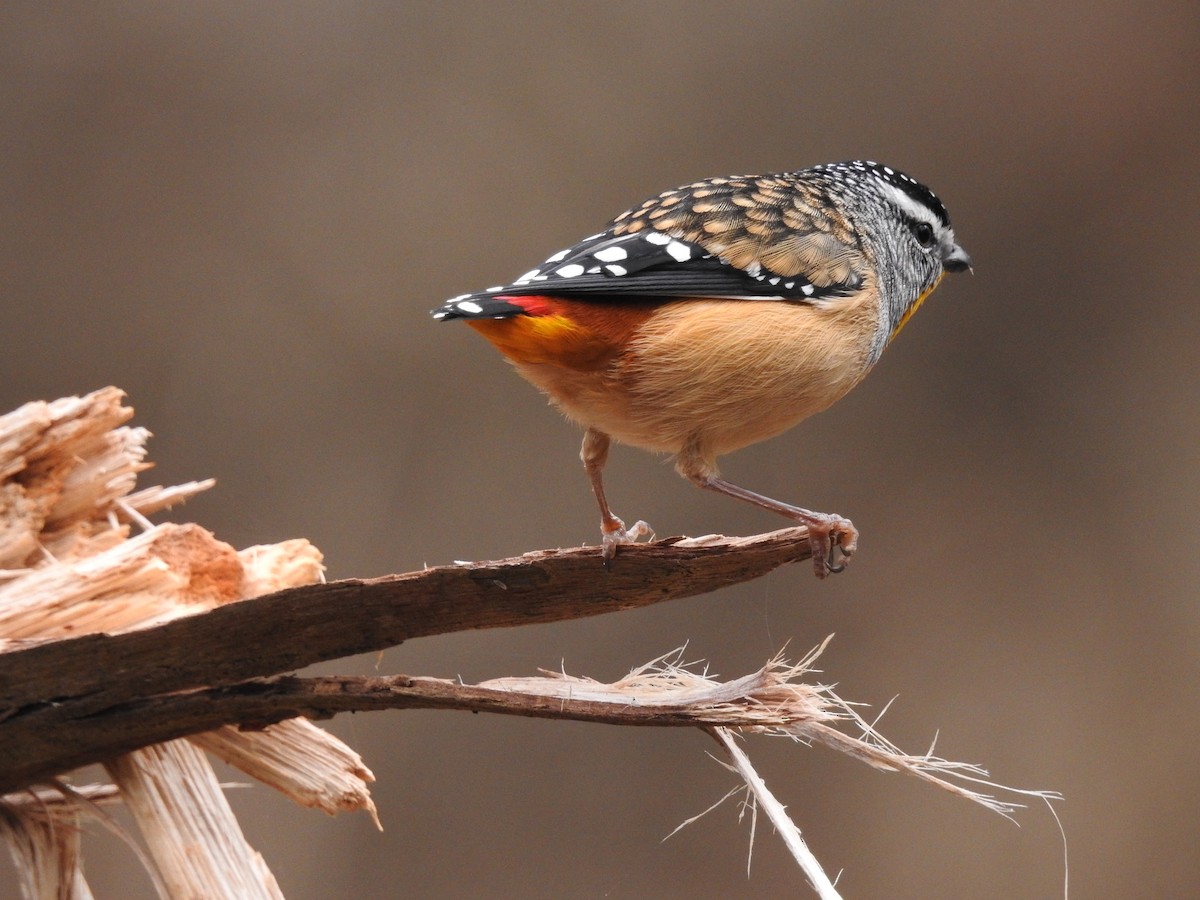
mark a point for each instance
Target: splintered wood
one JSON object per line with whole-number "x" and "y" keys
{"x": 70, "y": 566}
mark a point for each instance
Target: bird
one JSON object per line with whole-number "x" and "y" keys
{"x": 721, "y": 313}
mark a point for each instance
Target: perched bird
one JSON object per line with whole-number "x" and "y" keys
{"x": 721, "y": 313}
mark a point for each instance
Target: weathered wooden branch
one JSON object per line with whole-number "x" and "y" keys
{"x": 81, "y": 700}
{"x": 65, "y": 742}
{"x": 114, "y": 643}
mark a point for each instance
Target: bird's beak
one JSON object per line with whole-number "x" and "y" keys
{"x": 956, "y": 259}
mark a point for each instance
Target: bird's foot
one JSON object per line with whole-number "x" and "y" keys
{"x": 615, "y": 533}
{"x": 833, "y": 540}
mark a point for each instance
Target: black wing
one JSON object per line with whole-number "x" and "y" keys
{"x": 608, "y": 268}
{"x": 725, "y": 238}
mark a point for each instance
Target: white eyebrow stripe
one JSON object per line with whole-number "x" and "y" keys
{"x": 918, "y": 211}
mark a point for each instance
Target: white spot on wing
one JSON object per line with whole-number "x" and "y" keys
{"x": 657, "y": 237}
{"x": 611, "y": 254}
{"x": 469, "y": 306}
{"x": 560, "y": 255}
{"x": 570, "y": 271}
{"x": 679, "y": 252}
{"x": 614, "y": 269}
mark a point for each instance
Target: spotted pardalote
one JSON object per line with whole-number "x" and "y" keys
{"x": 721, "y": 313}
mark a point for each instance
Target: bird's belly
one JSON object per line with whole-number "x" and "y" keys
{"x": 719, "y": 375}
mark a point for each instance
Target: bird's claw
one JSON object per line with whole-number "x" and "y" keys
{"x": 833, "y": 540}
{"x": 613, "y": 537}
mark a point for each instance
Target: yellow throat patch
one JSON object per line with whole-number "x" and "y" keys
{"x": 908, "y": 313}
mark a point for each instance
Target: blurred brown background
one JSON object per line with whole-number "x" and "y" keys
{"x": 241, "y": 213}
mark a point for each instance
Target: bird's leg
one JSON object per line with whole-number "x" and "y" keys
{"x": 594, "y": 454}
{"x": 829, "y": 535}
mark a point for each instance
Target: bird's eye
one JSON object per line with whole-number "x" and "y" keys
{"x": 923, "y": 232}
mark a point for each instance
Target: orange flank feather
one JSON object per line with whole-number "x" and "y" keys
{"x": 575, "y": 334}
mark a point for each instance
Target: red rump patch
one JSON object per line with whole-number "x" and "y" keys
{"x": 533, "y": 306}
{"x": 573, "y": 334}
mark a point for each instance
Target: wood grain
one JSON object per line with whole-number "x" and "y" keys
{"x": 70, "y": 702}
